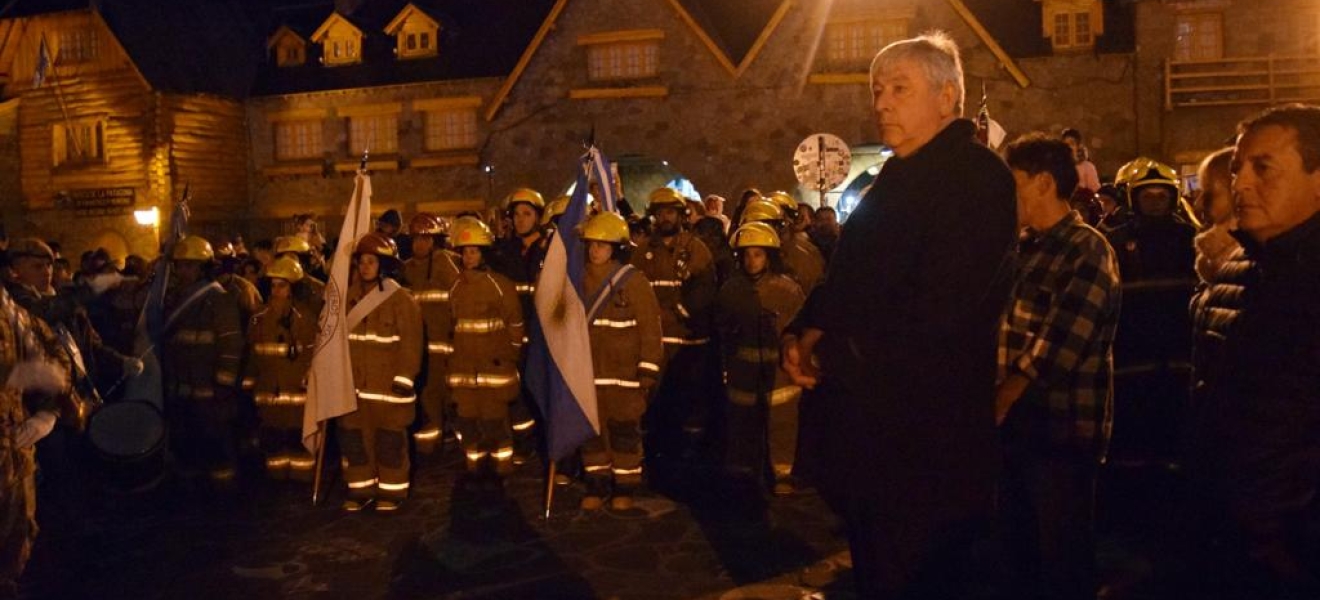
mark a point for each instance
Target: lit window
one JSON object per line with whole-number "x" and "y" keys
{"x": 78, "y": 143}
{"x": 1072, "y": 24}
{"x": 1199, "y": 36}
{"x": 378, "y": 134}
{"x": 290, "y": 53}
{"x": 298, "y": 139}
{"x": 623, "y": 60}
{"x": 416, "y": 33}
{"x": 451, "y": 129}
{"x": 78, "y": 45}
{"x": 853, "y": 44}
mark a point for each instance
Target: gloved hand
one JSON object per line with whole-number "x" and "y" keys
{"x": 133, "y": 366}
{"x": 33, "y": 429}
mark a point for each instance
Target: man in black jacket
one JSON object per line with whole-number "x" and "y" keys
{"x": 1256, "y": 443}
{"x": 906, "y": 321}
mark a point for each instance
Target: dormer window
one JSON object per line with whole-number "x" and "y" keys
{"x": 417, "y": 35}
{"x": 1072, "y": 24}
{"x": 617, "y": 55}
{"x": 288, "y": 48}
{"x": 340, "y": 40}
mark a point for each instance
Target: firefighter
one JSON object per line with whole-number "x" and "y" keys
{"x": 553, "y": 211}
{"x": 801, "y": 257}
{"x": 488, "y": 336}
{"x": 201, "y": 356}
{"x": 281, "y": 338}
{"x": 751, "y": 312}
{"x": 1152, "y": 348}
{"x": 519, "y": 258}
{"x": 432, "y": 272}
{"x": 244, "y": 293}
{"x": 385, "y": 345}
{"x": 310, "y": 290}
{"x": 626, "y": 352}
{"x": 681, "y": 272}
{"x": 26, "y": 416}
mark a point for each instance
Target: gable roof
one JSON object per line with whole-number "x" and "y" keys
{"x": 282, "y": 32}
{"x": 404, "y": 15}
{"x": 702, "y": 22}
{"x": 478, "y": 39}
{"x": 329, "y": 23}
{"x": 214, "y": 35}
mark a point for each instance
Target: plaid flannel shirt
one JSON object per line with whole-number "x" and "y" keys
{"x": 1058, "y": 331}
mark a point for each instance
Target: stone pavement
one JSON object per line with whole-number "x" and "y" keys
{"x": 697, "y": 540}
{"x": 268, "y": 541}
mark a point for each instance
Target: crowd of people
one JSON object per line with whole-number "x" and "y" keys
{"x": 987, "y": 330}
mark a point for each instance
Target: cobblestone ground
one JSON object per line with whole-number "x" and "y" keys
{"x": 693, "y": 538}
{"x": 268, "y": 541}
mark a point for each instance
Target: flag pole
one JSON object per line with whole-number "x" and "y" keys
{"x": 320, "y": 465}
{"x": 550, "y": 490}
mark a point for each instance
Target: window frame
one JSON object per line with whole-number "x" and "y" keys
{"x": 856, "y": 36}
{"x": 373, "y": 143}
{"x": 437, "y": 141}
{"x": 62, "y": 136}
{"x": 315, "y": 144}
{"x": 84, "y": 41}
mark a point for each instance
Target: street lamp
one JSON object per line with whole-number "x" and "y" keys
{"x": 150, "y": 216}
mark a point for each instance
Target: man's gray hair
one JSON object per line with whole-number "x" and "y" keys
{"x": 936, "y": 53}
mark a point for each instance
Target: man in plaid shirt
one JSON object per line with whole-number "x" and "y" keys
{"x": 1054, "y": 401}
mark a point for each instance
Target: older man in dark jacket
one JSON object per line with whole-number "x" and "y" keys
{"x": 1257, "y": 435}
{"x": 906, "y": 323}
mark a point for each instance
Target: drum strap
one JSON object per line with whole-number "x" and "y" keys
{"x": 201, "y": 292}
{"x": 76, "y": 358}
{"x": 369, "y": 302}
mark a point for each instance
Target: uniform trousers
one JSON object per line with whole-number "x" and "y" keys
{"x": 374, "y": 443}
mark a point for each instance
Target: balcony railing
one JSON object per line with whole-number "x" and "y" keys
{"x": 1244, "y": 80}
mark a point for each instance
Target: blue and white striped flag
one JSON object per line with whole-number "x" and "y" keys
{"x": 43, "y": 63}
{"x": 601, "y": 173}
{"x": 559, "y": 371}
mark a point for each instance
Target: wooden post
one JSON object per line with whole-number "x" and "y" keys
{"x": 549, "y": 490}
{"x": 320, "y": 464}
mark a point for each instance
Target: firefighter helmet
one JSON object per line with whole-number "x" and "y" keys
{"x": 378, "y": 245}
{"x": 286, "y": 268}
{"x": 470, "y": 231}
{"x": 667, "y": 197}
{"x": 785, "y": 202}
{"x": 223, "y": 249}
{"x": 292, "y": 243}
{"x": 193, "y": 247}
{"x": 30, "y": 248}
{"x": 755, "y": 235}
{"x": 428, "y": 224}
{"x": 527, "y": 196}
{"x": 1151, "y": 172}
{"x": 761, "y": 210}
{"x": 606, "y": 227}
{"x": 555, "y": 208}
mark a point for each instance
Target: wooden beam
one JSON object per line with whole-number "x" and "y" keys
{"x": 720, "y": 57}
{"x": 513, "y": 77}
{"x": 654, "y": 91}
{"x": 446, "y": 103}
{"x": 764, "y": 37}
{"x": 970, "y": 18}
{"x": 630, "y": 35}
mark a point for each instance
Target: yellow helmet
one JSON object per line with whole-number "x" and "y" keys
{"x": 527, "y": 196}
{"x": 755, "y": 235}
{"x": 667, "y": 197}
{"x": 785, "y": 202}
{"x": 606, "y": 227}
{"x": 193, "y": 247}
{"x": 761, "y": 210}
{"x": 292, "y": 243}
{"x": 470, "y": 231}
{"x": 1145, "y": 171}
{"x": 286, "y": 268}
{"x": 555, "y": 208}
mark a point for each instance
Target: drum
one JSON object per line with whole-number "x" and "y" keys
{"x": 129, "y": 440}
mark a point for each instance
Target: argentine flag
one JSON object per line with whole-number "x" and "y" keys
{"x": 559, "y": 371}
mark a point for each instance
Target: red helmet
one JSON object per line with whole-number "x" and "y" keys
{"x": 428, "y": 224}
{"x": 377, "y": 244}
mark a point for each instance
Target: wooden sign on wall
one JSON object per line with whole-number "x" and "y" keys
{"x": 99, "y": 202}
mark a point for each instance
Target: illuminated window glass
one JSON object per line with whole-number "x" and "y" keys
{"x": 298, "y": 139}
{"x": 378, "y": 134}
{"x": 451, "y": 129}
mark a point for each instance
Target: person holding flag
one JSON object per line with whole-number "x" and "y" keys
{"x": 625, "y": 353}
{"x": 200, "y": 358}
{"x": 487, "y": 339}
{"x": 385, "y": 347}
